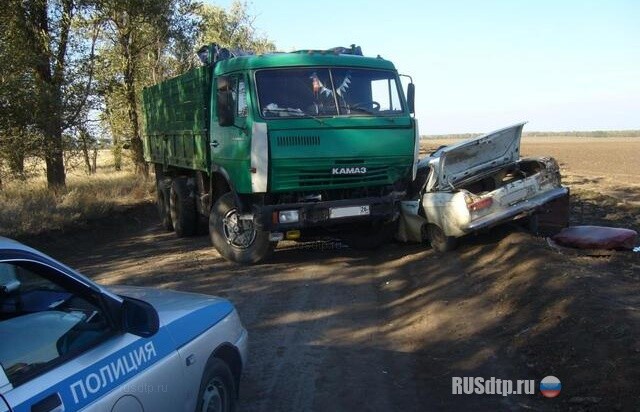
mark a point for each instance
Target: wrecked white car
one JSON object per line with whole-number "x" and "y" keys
{"x": 479, "y": 183}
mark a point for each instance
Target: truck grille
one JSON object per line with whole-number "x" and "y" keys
{"x": 318, "y": 174}
{"x": 298, "y": 140}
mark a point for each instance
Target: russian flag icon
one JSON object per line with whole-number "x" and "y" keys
{"x": 550, "y": 387}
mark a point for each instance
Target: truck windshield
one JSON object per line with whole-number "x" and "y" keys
{"x": 313, "y": 92}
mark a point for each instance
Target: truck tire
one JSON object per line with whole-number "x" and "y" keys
{"x": 372, "y": 235}
{"x": 237, "y": 241}
{"x": 439, "y": 241}
{"x": 182, "y": 206}
{"x": 162, "y": 201}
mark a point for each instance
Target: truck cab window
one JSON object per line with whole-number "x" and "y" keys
{"x": 328, "y": 92}
{"x": 241, "y": 92}
{"x": 41, "y": 322}
{"x": 385, "y": 92}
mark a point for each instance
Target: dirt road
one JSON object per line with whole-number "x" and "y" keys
{"x": 334, "y": 329}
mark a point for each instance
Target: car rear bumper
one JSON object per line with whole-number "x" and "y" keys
{"x": 518, "y": 210}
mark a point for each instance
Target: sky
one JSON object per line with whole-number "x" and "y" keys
{"x": 481, "y": 65}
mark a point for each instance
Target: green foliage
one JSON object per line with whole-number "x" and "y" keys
{"x": 46, "y": 65}
{"x": 232, "y": 28}
{"x": 143, "y": 42}
{"x": 72, "y": 72}
{"x": 17, "y": 104}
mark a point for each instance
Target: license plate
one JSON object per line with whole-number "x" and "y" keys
{"x": 338, "y": 212}
{"x": 510, "y": 199}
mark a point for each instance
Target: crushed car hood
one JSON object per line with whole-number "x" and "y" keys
{"x": 464, "y": 159}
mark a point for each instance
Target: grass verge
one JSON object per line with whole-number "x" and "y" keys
{"x": 28, "y": 208}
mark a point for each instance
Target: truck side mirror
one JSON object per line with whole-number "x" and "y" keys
{"x": 225, "y": 106}
{"x": 411, "y": 97}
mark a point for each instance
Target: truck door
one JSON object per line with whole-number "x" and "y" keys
{"x": 229, "y": 144}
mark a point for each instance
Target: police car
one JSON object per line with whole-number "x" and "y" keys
{"x": 67, "y": 343}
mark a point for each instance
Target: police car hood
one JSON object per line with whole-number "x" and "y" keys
{"x": 180, "y": 310}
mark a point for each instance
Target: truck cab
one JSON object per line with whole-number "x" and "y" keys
{"x": 289, "y": 144}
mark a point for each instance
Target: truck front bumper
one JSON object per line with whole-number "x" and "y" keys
{"x": 327, "y": 213}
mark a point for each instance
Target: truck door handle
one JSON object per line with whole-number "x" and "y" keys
{"x": 51, "y": 403}
{"x": 214, "y": 143}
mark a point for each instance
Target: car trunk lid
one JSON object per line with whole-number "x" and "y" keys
{"x": 462, "y": 160}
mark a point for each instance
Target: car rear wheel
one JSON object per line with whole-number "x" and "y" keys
{"x": 439, "y": 241}
{"x": 182, "y": 206}
{"x": 237, "y": 239}
{"x": 217, "y": 388}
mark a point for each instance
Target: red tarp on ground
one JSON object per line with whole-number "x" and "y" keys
{"x": 597, "y": 237}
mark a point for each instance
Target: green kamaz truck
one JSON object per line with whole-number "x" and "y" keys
{"x": 260, "y": 148}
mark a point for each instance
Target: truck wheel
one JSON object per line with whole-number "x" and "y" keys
{"x": 439, "y": 241}
{"x": 372, "y": 236}
{"x": 162, "y": 202}
{"x": 236, "y": 240}
{"x": 217, "y": 388}
{"x": 182, "y": 206}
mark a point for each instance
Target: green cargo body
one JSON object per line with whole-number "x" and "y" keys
{"x": 298, "y": 135}
{"x": 177, "y": 120}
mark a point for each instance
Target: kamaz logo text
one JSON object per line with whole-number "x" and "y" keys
{"x": 349, "y": 171}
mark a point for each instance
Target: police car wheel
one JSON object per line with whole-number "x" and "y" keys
{"x": 217, "y": 389}
{"x": 236, "y": 240}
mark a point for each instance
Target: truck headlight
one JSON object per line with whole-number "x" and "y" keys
{"x": 288, "y": 216}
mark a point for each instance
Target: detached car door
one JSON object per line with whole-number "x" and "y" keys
{"x": 60, "y": 349}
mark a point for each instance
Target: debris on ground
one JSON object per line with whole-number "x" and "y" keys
{"x": 597, "y": 237}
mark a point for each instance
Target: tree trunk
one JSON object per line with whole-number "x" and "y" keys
{"x": 49, "y": 83}
{"x": 84, "y": 144}
{"x": 137, "y": 148}
{"x": 116, "y": 150}
{"x": 56, "y": 177}
{"x": 15, "y": 162}
{"x": 53, "y": 147}
{"x": 130, "y": 90}
{"x": 94, "y": 165}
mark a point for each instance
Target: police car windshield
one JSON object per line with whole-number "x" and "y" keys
{"x": 41, "y": 322}
{"x": 317, "y": 92}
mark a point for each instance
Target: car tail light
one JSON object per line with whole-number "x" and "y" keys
{"x": 480, "y": 204}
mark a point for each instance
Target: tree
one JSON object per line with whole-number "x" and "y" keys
{"x": 52, "y": 62}
{"x": 17, "y": 137}
{"x": 232, "y": 28}
{"x": 48, "y": 38}
{"x": 137, "y": 34}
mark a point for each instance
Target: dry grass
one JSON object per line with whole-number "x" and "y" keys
{"x": 28, "y": 208}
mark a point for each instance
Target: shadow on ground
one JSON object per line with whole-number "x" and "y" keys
{"x": 343, "y": 330}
